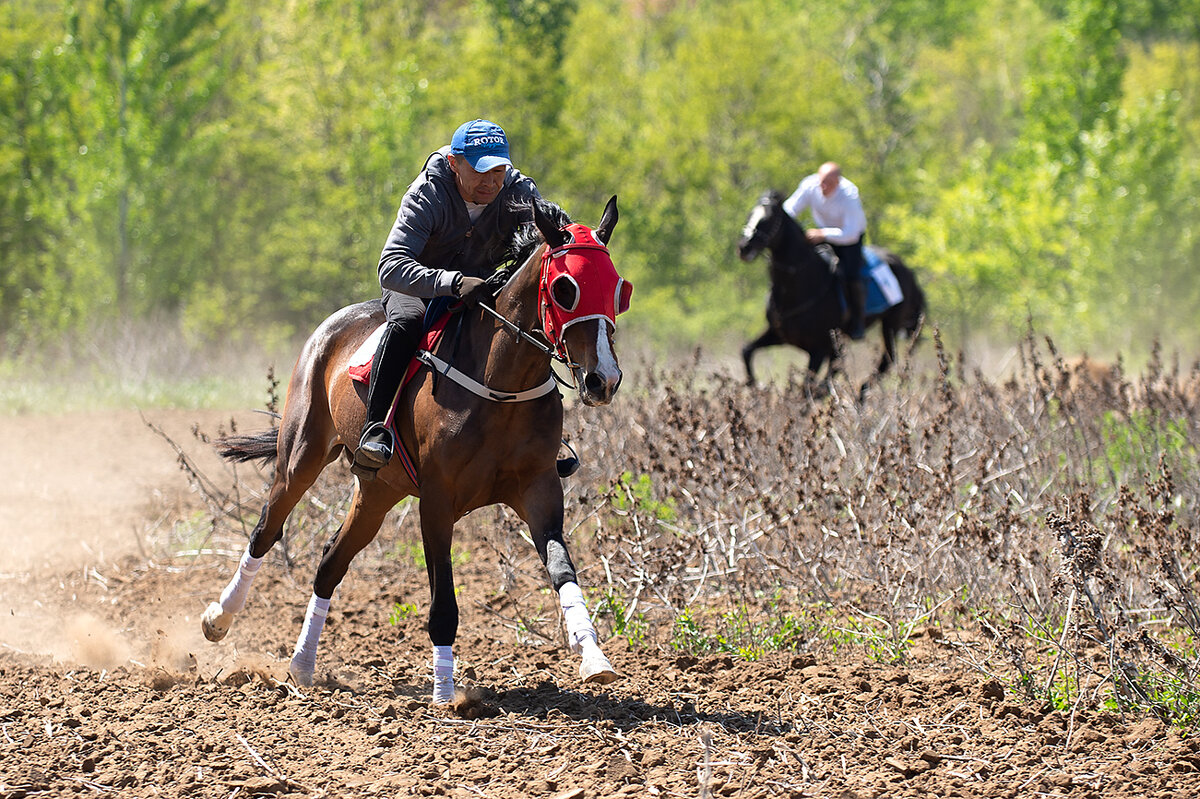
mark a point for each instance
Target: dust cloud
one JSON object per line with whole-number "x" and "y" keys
{"x": 80, "y": 492}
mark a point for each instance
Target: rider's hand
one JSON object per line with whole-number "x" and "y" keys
{"x": 472, "y": 290}
{"x": 815, "y": 235}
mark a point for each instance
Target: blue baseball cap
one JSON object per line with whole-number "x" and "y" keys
{"x": 482, "y": 143}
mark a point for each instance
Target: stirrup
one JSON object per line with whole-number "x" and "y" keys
{"x": 569, "y": 465}
{"x": 375, "y": 458}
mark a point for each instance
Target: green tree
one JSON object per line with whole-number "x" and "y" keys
{"x": 1076, "y": 81}
{"x": 34, "y": 193}
{"x": 146, "y": 80}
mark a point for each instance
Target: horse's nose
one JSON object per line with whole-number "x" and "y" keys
{"x": 599, "y": 387}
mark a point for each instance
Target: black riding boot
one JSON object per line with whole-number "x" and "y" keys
{"x": 387, "y": 369}
{"x": 856, "y": 298}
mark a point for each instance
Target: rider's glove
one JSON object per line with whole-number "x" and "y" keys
{"x": 471, "y": 290}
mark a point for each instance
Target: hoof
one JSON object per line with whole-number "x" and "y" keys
{"x": 303, "y": 675}
{"x": 596, "y": 670}
{"x": 216, "y": 622}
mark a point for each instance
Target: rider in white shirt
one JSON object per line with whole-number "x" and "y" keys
{"x": 838, "y": 213}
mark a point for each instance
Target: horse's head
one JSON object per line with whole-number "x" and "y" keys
{"x": 762, "y": 226}
{"x": 579, "y": 297}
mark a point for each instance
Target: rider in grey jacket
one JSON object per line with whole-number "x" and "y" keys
{"x": 454, "y": 227}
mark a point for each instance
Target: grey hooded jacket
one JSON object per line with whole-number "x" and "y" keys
{"x": 433, "y": 239}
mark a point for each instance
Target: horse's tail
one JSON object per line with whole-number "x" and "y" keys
{"x": 252, "y": 447}
{"x": 916, "y": 319}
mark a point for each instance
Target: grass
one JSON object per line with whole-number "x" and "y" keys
{"x": 146, "y": 364}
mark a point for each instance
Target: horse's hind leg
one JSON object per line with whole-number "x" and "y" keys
{"x": 885, "y": 361}
{"x": 301, "y": 456}
{"x": 367, "y": 509}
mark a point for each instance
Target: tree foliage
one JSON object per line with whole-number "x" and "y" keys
{"x": 237, "y": 166}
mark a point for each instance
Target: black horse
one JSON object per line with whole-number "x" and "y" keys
{"x": 806, "y": 304}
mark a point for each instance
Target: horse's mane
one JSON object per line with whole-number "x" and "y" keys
{"x": 527, "y": 237}
{"x": 776, "y": 198}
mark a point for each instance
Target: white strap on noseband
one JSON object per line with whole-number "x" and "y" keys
{"x": 475, "y": 387}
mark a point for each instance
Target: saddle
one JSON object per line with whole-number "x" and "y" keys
{"x": 437, "y": 317}
{"x": 883, "y": 289}
{"x": 361, "y": 361}
{"x": 435, "y": 324}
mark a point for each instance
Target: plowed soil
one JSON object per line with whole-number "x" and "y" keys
{"x": 107, "y": 687}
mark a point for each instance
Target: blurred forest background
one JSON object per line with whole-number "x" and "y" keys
{"x": 225, "y": 172}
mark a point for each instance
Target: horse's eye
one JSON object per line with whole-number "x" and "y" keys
{"x": 565, "y": 292}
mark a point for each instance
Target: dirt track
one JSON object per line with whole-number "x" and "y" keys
{"x": 107, "y": 687}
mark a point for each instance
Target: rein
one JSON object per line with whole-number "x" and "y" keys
{"x": 521, "y": 334}
{"x": 551, "y": 344}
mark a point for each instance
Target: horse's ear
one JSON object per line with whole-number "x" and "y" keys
{"x": 608, "y": 221}
{"x": 549, "y": 229}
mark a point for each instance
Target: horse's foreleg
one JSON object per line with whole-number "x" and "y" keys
{"x": 543, "y": 512}
{"x": 819, "y": 359}
{"x": 769, "y": 338}
{"x": 367, "y": 509}
{"x": 437, "y": 536}
{"x": 294, "y": 476}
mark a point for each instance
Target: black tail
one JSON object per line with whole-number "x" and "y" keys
{"x": 253, "y": 447}
{"x": 917, "y": 319}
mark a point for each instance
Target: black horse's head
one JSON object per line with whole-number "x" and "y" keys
{"x": 762, "y": 226}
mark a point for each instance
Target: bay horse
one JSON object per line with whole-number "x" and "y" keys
{"x": 469, "y": 444}
{"x": 805, "y": 306}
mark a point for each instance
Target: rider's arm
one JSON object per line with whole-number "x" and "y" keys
{"x": 399, "y": 270}
{"x": 795, "y": 205}
{"x": 854, "y": 221}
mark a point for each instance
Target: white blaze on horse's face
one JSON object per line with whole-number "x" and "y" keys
{"x": 745, "y": 250}
{"x": 598, "y": 374}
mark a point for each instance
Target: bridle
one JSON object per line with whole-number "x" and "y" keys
{"x": 577, "y": 282}
{"x": 763, "y": 238}
{"x": 756, "y": 234}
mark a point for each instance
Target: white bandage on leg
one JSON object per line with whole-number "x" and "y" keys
{"x": 304, "y": 657}
{"x": 579, "y": 624}
{"x": 233, "y": 598}
{"x": 443, "y": 675}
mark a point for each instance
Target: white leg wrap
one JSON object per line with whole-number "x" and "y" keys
{"x": 218, "y": 616}
{"x": 443, "y": 675}
{"x": 594, "y": 667}
{"x": 575, "y": 612}
{"x": 304, "y": 657}
{"x": 233, "y": 598}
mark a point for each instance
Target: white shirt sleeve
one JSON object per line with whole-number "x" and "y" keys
{"x": 801, "y": 198}
{"x": 853, "y": 219}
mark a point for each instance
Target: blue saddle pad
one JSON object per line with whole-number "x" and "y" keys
{"x": 883, "y": 290}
